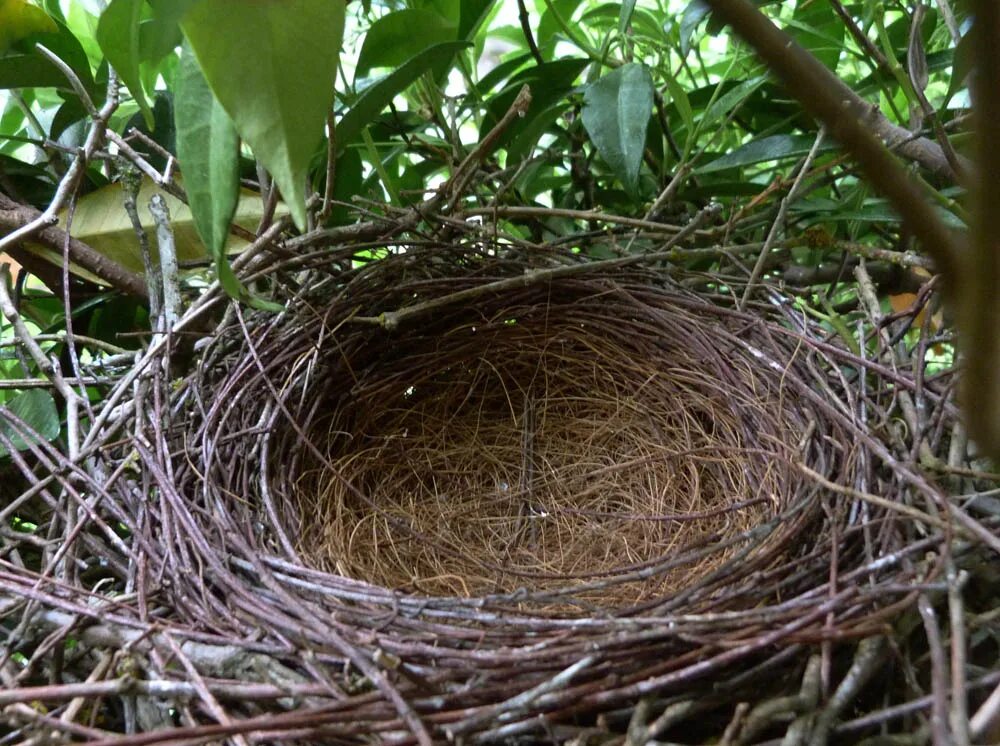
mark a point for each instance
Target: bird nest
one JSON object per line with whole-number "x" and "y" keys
{"x": 457, "y": 494}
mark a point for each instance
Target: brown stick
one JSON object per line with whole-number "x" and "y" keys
{"x": 14, "y": 216}
{"x": 851, "y": 121}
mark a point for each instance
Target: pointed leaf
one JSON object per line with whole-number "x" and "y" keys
{"x": 36, "y": 409}
{"x": 118, "y": 35}
{"x": 272, "y": 65}
{"x": 625, "y": 15}
{"x": 730, "y": 99}
{"x": 472, "y": 15}
{"x": 208, "y": 150}
{"x": 616, "y": 113}
{"x": 694, "y": 14}
{"x": 396, "y": 37}
{"x": 378, "y": 95}
{"x": 776, "y": 147}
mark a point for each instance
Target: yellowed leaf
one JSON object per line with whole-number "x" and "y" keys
{"x": 18, "y": 19}
{"x": 101, "y": 222}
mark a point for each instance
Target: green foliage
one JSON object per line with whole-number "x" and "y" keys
{"x": 625, "y": 96}
{"x": 616, "y": 113}
{"x": 37, "y": 410}
{"x": 280, "y": 94}
{"x": 207, "y": 140}
{"x": 118, "y": 35}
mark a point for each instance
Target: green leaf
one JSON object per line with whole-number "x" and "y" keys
{"x": 730, "y": 99}
{"x": 158, "y": 38}
{"x": 774, "y": 148}
{"x": 36, "y": 409}
{"x": 693, "y": 15}
{"x": 818, "y": 29}
{"x": 378, "y": 95}
{"x": 680, "y": 98}
{"x": 616, "y": 113}
{"x": 208, "y": 149}
{"x": 550, "y": 31}
{"x": 30, "y": 71}
{"x": 625, "y": 17}
{"x": 19, "y": 19}
{"x": 272, "y": 65}
{"x": 396, "y": 37}
{"x": 118, "y": 35}
{"x": 549, "y": 83}
{"x": 171, "y": 11}
{"x": 472, "y": 15}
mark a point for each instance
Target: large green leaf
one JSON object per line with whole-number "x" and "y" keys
{"x": 616, "y": 113}
{"x": 30, "y": 71}
{"x": 208, "y": 149}
{"x": 396, "y": 37}
{"x": 272, "y": 65}
{"x": 158, "y": 38}
{"x": 101, "y": 222}
{"x": 36, "y": 409}
{"x": 817, "y": 27}
{"x": 118, "y": 35}
{"x": 378, "y": 95}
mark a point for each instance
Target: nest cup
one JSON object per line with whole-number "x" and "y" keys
{"x": 588, "y": 442}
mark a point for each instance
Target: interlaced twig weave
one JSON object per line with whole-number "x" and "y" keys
{"x": 549, "y": 503}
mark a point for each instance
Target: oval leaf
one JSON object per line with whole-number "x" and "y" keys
{"x": 272, "y": 64}
{"x": 616, "y": 113}
{"x": 100, "y": 220}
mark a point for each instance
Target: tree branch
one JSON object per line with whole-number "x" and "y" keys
{"x": 14, "y": 216}
{"x": 852, "y": 121}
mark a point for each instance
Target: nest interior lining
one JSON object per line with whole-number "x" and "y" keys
{"x": 549, "y": 446}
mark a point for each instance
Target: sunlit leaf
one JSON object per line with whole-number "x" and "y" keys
{"x": 272, "y": 65}
{"x": 18, "y": 19}
{"x": 616, "y": 113}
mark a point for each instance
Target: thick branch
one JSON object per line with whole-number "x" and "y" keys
{"x": 852, "y": 122}
{"x": 14, "y": 216}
